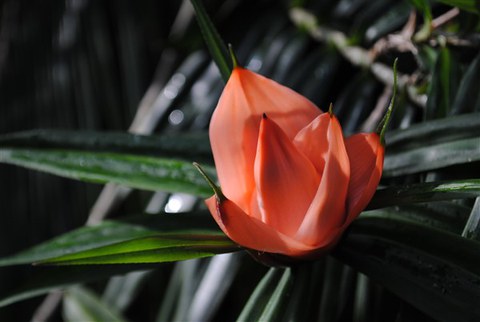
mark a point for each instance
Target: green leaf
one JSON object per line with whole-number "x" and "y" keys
{"x": 434, "y": 270}
{"x": 149, "y": 250}
{"x": 304, "y": 295}
{"x": 472, "y": 227}
{"x": 382, "y": 127}
{"x": 334, "y": 295}
{"x": 289, "y": 294}
{"x": 445, "y": 79}
{"x": 278, "y": 299}
{"x": 110, "y": 232}
{"x": 386, "y": 19}
{"x": 253, "y": 308}
{"x": 135, "y": 171}
{"x": 214, "y": 42}
{"x": 187, "y": 146}
{"x": 171, "y": 303}
{"x": 459, "y": 251}
{"x": 468, "y": 89}
{"x": 121, "y": 291}
{"x": 424, "y": 7}
{"x": 425, "y": 192}
{"x": 81, "y": 304}
{"x": 267, "y": 295}
{"x": 114, "y": 234}
{"x": 431, "y": 157}
{"x": 433, "y": 132}
{"x": 467, "y": 5}
{"x": 448, "y": 216}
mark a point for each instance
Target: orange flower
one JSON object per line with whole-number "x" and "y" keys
{"x": 292, "y": 183}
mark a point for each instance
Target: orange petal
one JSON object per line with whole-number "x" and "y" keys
{"x": 251, "y": 233}
{"x": 366, "y": 155}
{"x": 290, "y": 110}
{"x": 235, "y": 125}
{"x": 328, "y": 209}
{"x": 312, "y": 141}
{"x": 286, "y": 180}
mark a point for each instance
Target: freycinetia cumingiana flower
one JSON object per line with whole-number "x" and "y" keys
{"x": 291, "y": 183}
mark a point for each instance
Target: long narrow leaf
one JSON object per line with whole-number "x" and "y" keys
{"x": 121, "y": 291}
{"x": 467, "y": 5}
{"x": 255, "y": 305}
{"x": 306, "y": 292}
{"x": 278, "y": 299}
{"x": 445, "y": 216}
{"x": 189, "y": 146}
{"x": 81, "y": 304}
{"x": 149, "y": 250}
{"x": 114, "y": 237}
{"x": 459, "y": 251}
{"x": 135, "y": 171}
{"x": 468, "y": 89}
{"x": 435, "y": 271}
{"x": 114, "y": 232}
{"x": 434, "y": 131}
{"x": 432, "y": 157}
{"x": 425, "y": 192}
{"x": 472, "y": 227}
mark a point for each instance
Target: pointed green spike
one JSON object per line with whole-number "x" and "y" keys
{"x": 382, "y": 126}
{"x": 216, "y": 189}
{"x": 233, "y": 57}
{"x": 330, "y": 109}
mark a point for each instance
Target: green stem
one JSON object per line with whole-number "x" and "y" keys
{"x": 382, "y": 126}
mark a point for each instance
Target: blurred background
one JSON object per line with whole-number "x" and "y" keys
{"x": 90, "y": 65}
